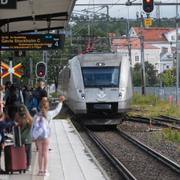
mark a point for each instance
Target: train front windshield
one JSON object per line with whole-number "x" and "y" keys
{"x": 100, "y": 76}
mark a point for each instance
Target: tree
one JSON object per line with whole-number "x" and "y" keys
{"x": 136, "y": 72}
{"x": 167, "y": 77}
{"x": 150, "y": 73}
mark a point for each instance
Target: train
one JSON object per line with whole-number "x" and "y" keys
{"x": 97, "y": 83}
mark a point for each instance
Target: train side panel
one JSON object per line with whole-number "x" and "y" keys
{"x": 76, "y": 92}
{"x": 71, "y": 86}
{"x": 125, "y": 86}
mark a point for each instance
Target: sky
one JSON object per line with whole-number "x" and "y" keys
{"x": 124, "y": 11}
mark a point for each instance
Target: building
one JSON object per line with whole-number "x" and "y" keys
{"x": 159, "y": 46}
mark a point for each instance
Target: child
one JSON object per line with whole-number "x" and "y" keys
{"x": 41, "y": 121}
{"x": 24, "y": 120}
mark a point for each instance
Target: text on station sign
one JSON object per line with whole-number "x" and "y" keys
{"x": 32, "y": 41}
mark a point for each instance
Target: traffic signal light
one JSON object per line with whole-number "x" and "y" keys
{"x": 148, "y": 6}
{"x": 41, "y": 70}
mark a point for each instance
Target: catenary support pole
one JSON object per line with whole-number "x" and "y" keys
{"x": 177, "y": 56}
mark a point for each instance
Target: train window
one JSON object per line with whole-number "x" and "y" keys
{"x": 101, "y": 76}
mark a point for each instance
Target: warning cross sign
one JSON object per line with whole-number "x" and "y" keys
{"x": 8, "y": 70}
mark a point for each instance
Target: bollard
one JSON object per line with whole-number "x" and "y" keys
{"x": 170, "y": 99}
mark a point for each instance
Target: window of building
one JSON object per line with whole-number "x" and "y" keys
{"x": 172, "y": 38}
{"x": 164, "y": 50}
{"x": 137, "y": 58}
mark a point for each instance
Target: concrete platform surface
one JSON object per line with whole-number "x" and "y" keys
{"x": 69, "y": 158}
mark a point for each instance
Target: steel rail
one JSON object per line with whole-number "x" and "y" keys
{"x": 116, "y": 163}
{"x": 169, "y": 163}
{"x": 153, "y": 121}
{"x": 171, "y": 119}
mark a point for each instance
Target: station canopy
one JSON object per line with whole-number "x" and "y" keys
{"x": 36, "y": 15}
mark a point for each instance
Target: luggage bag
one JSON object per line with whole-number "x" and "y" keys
{"x": 15, "y": 154}
{"x": 15, "y": 159}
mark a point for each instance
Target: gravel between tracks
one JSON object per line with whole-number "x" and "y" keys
{"x": 153, "y": 139}
{"x": 141, "y": 132}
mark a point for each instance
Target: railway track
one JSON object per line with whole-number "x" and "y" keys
{"x": 115, "y": 162}
{"x": 163, "y": 121}
{"x": 129, "y": 170}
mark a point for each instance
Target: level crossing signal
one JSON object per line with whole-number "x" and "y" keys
{"x": 41, "y": 69}
{"x": 148, "y": 6}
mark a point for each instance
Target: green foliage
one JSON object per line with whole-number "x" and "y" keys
{"x": 171, "y": 110}
{"x": 172, "y": 135}
{"x": 151, "y": 106}
{"x": 151, "y": 78}
{"x": 144, "y": 100}
{"x": 167, "y": 77}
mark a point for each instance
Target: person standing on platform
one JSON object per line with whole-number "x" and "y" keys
{"x": 40, "y": 91}
{"x": 3, "y": 126}
{"x": 1, "y": 98}
{"x": 41, "y": 132}
{"x": 24, "y": 120}
{"x": 12, "y": 102}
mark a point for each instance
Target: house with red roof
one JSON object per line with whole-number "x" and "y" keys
{"x": 159, "y": 46}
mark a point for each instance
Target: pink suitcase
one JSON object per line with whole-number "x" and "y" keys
{"x": 15, "y": 159}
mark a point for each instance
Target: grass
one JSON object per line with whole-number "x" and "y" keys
{"x": 171, "y": 135}
{"x": 151, "y": 106}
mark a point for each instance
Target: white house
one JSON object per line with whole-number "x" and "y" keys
{"x": 159, "y": 46}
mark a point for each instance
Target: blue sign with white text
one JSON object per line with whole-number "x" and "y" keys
{"x": 31, "y": 41}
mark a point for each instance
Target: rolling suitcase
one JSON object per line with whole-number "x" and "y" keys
{"x": 15, "y": 159}
{"x": 15, "y": 154}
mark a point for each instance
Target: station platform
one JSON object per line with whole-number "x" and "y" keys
{"x": 69, "y": 158}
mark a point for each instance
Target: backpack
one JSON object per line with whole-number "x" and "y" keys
{"x": 40, "y": 127}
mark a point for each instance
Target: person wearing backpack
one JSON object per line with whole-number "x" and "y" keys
{"x": 24, "y": 120}
{"x": 41, "y": 132}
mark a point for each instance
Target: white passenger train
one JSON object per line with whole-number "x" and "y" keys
{"x": 97, "y": 82}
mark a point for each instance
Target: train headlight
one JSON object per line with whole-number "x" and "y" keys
{"x": 122, "y": 92}
{"x": 83, "y": 95}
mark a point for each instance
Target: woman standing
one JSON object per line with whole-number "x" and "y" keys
{"x": 41, "y": 132}
{"x": 24, "y": 120}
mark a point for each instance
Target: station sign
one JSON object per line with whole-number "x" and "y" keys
{"x": 7, "y": 4}
{"x": 31, "y": 41}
